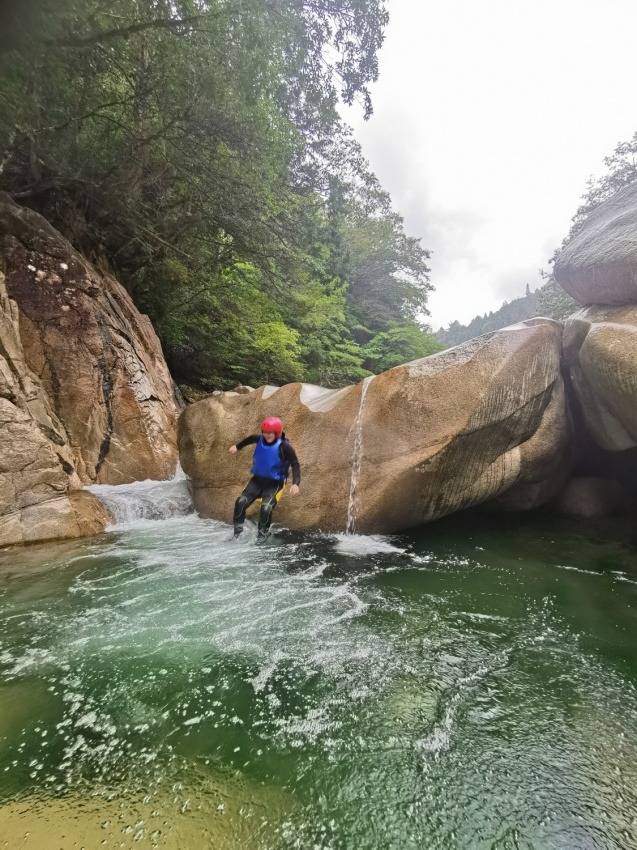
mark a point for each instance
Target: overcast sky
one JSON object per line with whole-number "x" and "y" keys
{"x": 489, "y": 116}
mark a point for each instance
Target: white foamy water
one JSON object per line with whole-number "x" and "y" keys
{"x": 362, "y": 545}
{"x": 367, "y": 701}
{"x": 185, "y": 582}
{"x": 184, "y": 586}
{"x": 143, "y": 501}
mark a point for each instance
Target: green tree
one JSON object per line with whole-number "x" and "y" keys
{"x": 621, "y": 169}
{"x": 400, "y": 343}
{"x": 554, "y": 302}
{"x": 195, "y": 146}
{"x": 330, "y": 354}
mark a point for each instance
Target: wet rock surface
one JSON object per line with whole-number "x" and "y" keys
{"x": 600, "y": 357}
{"x": 39, "y": 499}
{"x": 599, "y": 265}
{"x": 484, "y": 420}
{"x": 97, "y": 358}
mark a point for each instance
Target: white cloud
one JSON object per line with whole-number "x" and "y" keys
{"x": 489, "y": 118}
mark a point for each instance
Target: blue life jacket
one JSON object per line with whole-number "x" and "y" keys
{"x": 267, "y": 461}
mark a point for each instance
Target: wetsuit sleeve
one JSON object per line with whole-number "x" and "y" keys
{"x": 289, "y": 455}
{"x": 252, "y": 440}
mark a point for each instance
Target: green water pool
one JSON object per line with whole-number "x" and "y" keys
{"x": 473, "y": 686}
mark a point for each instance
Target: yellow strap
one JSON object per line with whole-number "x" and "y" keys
{"x": 277, "y": 495}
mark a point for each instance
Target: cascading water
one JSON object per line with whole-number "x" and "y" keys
{"x": 352, "y": 506}
{"x": 147, "y": 500}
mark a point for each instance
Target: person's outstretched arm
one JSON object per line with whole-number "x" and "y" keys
{"x": 290, "y": 456}
{"x": 252, "y": 440}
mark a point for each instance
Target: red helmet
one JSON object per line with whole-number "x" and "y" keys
{"x": 272, "y": 425}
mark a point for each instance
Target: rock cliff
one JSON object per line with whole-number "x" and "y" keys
{"x": 599, "y": 268}
{"x": 97, "y": 358}
{"x": 600, "y": 355}
{"x": 40, "y": 497}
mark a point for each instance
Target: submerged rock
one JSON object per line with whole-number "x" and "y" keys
{"x": 600, "y": 356}
{"x": 39, "y": 495}
{"x": 98, "y": 359}
{"x": 481, "y": 421}
{"x": 599, "y": 265}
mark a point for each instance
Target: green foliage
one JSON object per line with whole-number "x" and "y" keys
{"x": 554, "y": 302}
{"x": 549, "y": 300}
{"x": 331, "y": 356}
{"x": 508, "y": 314}
{"x": 621, "y": 169}
{"x": 196, "y": 146}
{"x": 388, "y": 272}
{"x": 400, "y": 343}
{"x": 221, "y": 329}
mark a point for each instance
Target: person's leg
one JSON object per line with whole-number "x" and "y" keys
{"x": 251, "y": 492}
{"x": 268, "y": 504}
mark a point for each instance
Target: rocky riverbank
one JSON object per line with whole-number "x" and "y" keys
{"x": 85, "y": 392}
{"x": 537, "y": 414}
{"x": 480, "y": 422}
{"x": 532, "y": 415}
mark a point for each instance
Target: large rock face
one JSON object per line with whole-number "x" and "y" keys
{"x": 97, "y": 357}
{"x": 480, "y": 422}
{"x": 600, "y": 354}
{"x": 599, "y": 266}
{"x": 39, "y": 499}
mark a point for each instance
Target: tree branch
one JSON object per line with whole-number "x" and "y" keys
{"x": 126, "y": 32}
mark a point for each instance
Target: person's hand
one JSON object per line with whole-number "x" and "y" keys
{"x": 294, "y": 490}
{"x": 233, "y": 450}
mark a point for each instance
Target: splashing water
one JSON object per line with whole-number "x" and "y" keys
{"x": 357, "y": 459}
{"x": 363, "y": 545}
{"x": 164, "y": 687}
{"x": 144, "y": 501}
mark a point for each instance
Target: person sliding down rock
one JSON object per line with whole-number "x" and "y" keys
{"x": 271, "y": 462}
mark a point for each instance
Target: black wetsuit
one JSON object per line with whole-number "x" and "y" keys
{"x": 266, "y": 489}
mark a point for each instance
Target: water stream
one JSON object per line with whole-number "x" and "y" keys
{"x": 141, "y": 501}
{"x": 474, "y": 686}
{"x": 357, "y": 459}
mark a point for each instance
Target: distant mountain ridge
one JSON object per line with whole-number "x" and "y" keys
{"x": 549, "y": 300}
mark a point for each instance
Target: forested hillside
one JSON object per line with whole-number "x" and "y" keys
{"x": 549, "y": 300}
{"x": 194, "y": 148}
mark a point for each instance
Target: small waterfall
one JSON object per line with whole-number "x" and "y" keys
{"x": 145, "y": 500}
{"x": 352, "y": 506}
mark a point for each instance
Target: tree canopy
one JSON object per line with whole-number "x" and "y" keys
{"x": 620, "y": 170}
{"x": 195, "y": 146}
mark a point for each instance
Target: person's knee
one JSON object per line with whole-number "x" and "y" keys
{"x": 267, "y": 507}
{"x": 241, "y": 502}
